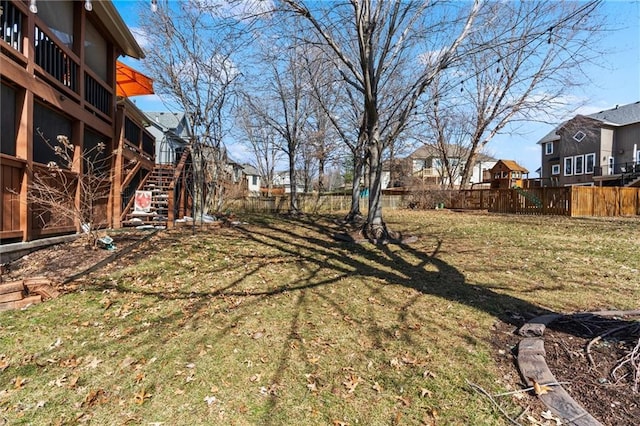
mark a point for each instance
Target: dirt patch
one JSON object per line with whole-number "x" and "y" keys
{"x": 589, "y": 376}
{"x": 61, "y": 261}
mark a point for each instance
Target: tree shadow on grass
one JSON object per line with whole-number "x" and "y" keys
{"x": 309, "y": 242}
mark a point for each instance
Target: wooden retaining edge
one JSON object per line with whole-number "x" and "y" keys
{"x": 110, "y": 258}
{"x": 533, "y": 366}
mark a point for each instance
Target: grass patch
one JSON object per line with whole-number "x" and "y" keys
{"x": 276, "y": 323}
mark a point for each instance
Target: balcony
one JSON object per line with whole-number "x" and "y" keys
{"x": 11, "y": 23}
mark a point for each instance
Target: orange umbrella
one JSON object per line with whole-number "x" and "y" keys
{"x": 130, "y": 82}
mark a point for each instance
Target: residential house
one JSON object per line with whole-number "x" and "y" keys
{"x": 172, "y": 134}
{"x": 58, "y": 77}
{"x": 596, "y": 149}
{"x": 253, "y": 180}
{"x": 282, "y": 180}
{"x": 507, "y": 174}
{"x": 426, "y": 166}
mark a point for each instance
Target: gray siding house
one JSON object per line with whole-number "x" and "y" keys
{"x": 596, "y": 149}
{"x": 172, "y": 134}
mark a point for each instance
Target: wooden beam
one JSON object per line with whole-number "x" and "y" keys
{"x": 45, "y": 91}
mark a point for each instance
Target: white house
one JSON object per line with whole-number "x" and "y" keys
{"x": 253, "y": 179}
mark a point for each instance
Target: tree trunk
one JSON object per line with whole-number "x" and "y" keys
{"x": 465, "y": 179}
{"x": 354, "y": 214}
{"x": 293, "y": 202}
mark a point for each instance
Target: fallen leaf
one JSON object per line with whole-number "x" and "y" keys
{"x": 55, "y": 344}
{"x": 376, "y": 387}
{"x": 19, "y": 382}
{"x": 127, "y": 362}
{"x": 178, "y": 392}
{"x": 94, "y": 397}
{"x": 94, "y": 363}
{"x": 428, "y": 373}
{"x": 139, "y": 377}
{"x": 73, "y": 381}
{"x": 141, "y": 396}
{"x": 539, "y": 389}
{"x": 210, "y": 399}
{"x": 312, "y": 387}
{"x": 4, "y": 364}
{"x": 548, "y": 415}
{"x": 405, "y": 401}
{"x": 255, "y": 378}
{"x": 340, "y": 423}
{"x": 351, "y": 383}
{"x": 425, "y": 392}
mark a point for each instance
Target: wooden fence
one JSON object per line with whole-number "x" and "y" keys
{"x": 564, "y": 201}
{"x": 567, "y": 201}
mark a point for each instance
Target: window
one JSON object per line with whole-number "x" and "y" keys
{"x": 548, "y": 148}
{"x": 579, "y": 136}
{"x": 555, "y": 169}
{"x": 568, "y": 166}
{"x": 96, "y": 154}
{"x": 590, "y": 162}
{"x": 578, "y": 165}
{"x": 8, "y": 117}
{"x": 254, "y": 180}
{"x": 610, "y": 164}
{"x": 58, "y": 16}
{"x": 47, "y": 125}
{"x": 95, "y": 51}
{"x": 436, "y": 163}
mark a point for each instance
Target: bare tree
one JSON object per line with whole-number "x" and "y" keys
{"x": 374, "y": 44}
{"x": 262, "y": 141}
{"x": 72, "y": 190}
{"x": 537, "y": 59}
{"x": 282, "y": 104}
{"x": 192, "y": 63}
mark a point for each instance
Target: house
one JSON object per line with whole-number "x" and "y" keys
{"x": 426, "y": 166}
{"x": 60, "y": 76}
{"x": 596, "y": 149}
{"x": 282, "y": 180}
{"x": 253, "y": 180}
{"x": 507, "y": 174}
{"x": 172, "y": 134}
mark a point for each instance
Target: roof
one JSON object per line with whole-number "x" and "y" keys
{"x": 249, "y": 170}
{"x": 107, "y": 13}
{"x": 512, "y": 165}
{"x": 620, "y": 115}
{"x": 165, "y": 119}
{"x": 617, "y": 116}
{"x": 452, "y": 151}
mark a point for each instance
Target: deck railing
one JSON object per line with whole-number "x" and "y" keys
{"x": 98, "y": 95}
{"x": 11, "y": 23}
{"x": 55, "y": 60}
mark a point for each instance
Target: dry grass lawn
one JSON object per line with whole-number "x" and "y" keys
{"x": 276, "y": 323}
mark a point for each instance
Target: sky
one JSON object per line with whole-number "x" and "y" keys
{"x": 615, "y": 81}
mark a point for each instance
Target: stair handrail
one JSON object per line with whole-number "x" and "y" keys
{"x": 131, "y": 202}
{"x": 171, "y": 214}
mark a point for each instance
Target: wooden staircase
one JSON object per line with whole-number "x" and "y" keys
{"x": 159, "y": 184}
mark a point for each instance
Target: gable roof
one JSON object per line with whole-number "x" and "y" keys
{"x": 617, "y": 116}
{"x": 452, "y": 151}
{"x": 249, "y": 170}
{"x": 166, "y": 120}
{"x": 512, "y": 165}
